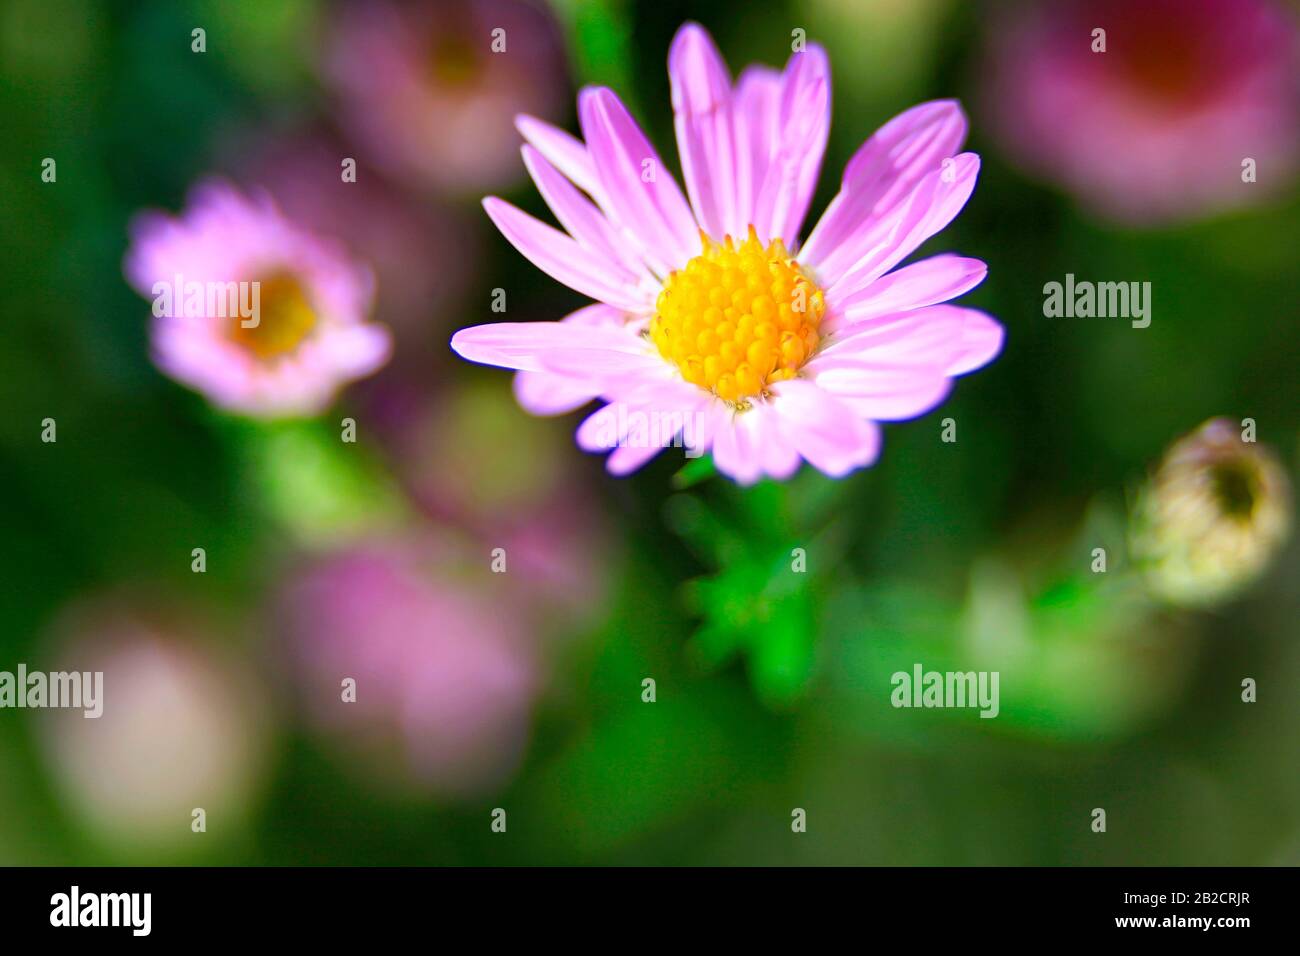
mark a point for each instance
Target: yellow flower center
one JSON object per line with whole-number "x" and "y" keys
{"x": 456, "y": 62}
{"x": 738, "y": 318}
{"x": 284, "y": 318}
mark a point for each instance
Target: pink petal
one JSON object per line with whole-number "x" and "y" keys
{"x": 659, "y": 388}
{"x": 525, "y": 345}
{"x": 624, "y": 159}
{"x": 701, "y": 92}
{"x": 583, "y": 220}
{"x": 934, "y": 203}
{"x": 627, "y": 459}
{"x": 981, "y": 341}
{"x": 613, "y": 419}
{"x": 757, "y": 115}
{"x": 804, "y": 122}
{"x": 923, "y": 283}
{"x": 566, "y": 153}
{"x": 923, "y": 337}
{"x": 355, "y": 349}
{"x": 737, "y": 445}
{"x": 540, "y": 393}
{"x": 827, "y": 433}
{"x": 780, "y": 458}
{"x": 948, "y": 338}
{"x": 613, "y": 426}
{"x": 751, "y": 444}
{"x": 564, "y": 260}
{"x": 605, "y": 365}
{"x": 900, "y": 366}
{"x": 600, "y": 430}
{"x": 880, "y": 392}
{"x": 544, "y": 393}
{"x": 883, "y": 172}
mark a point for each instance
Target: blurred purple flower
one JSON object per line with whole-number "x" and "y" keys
{"x": 306, "y": 331}
{"x": 1157, "y": 127}
{"x": 430, "y": 90}
{"x": 444, "y": 680}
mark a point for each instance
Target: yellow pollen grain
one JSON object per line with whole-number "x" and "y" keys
{"x": 738, "y": 317}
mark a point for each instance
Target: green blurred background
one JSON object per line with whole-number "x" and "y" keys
{"x": 771, "y": 693}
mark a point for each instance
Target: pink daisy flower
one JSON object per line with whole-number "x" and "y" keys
{"x": 1156, "y": 128}
{"x": 444, "y": 675}
{"x": 229, "y": 255}
{"x": 714, "y": 327}
{"x": 429, "y": 89}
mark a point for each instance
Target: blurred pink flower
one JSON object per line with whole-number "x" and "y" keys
{"x": 310, "y": 333}
{"x": 1158, "y": 126}
{"x": 444, "y": 680}
{"x": 183, "y": 727}
{"x": 713, "y": 328}
{"x": 397, "y": 238}
{"x": 430, "y": 90}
